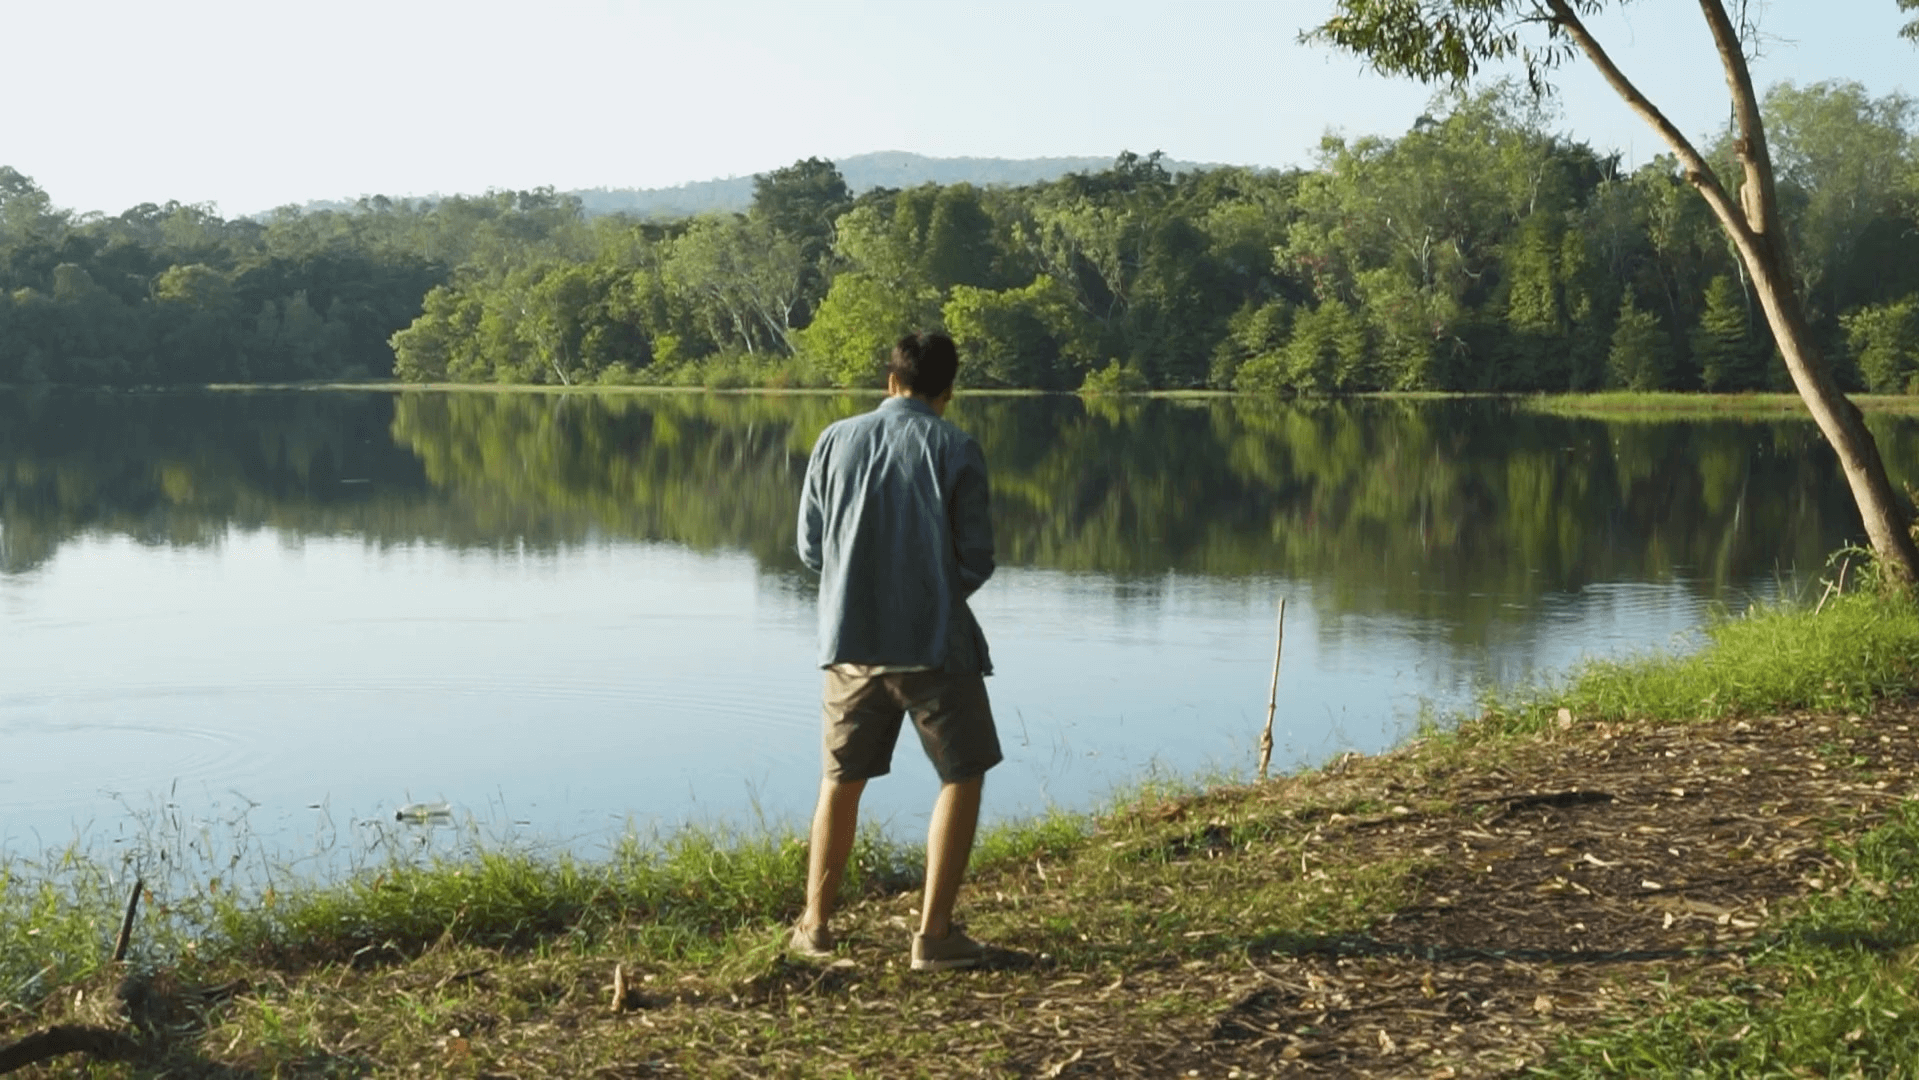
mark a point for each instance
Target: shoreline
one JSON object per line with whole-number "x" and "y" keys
{"x": 1631, "y": 845}
{"x": 1600, "y": 405}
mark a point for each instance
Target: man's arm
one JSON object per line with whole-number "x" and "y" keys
{"x": 972, "y": 520}
{"x": 812, "y": 526}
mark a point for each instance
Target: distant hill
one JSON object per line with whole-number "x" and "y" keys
{"x": 863, "y": 172}
{"x": 889, "y": 168}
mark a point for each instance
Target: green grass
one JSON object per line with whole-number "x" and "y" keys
{"x": 58, "y": 919}
{"x": 1018, "y": 842}
{"x": 1630, "y": 405}
{"x": 678, "y": 896}
{"x": 1860, "y": 649}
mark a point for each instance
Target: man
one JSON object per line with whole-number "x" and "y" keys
{"x": 893, "y": 518}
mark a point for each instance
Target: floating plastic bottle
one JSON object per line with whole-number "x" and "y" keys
{"x": 422, "y": 812}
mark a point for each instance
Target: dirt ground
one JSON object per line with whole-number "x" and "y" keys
{"x": 1607, "y": 863}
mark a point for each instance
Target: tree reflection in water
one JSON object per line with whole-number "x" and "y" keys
{"x": 1461, "y": 511}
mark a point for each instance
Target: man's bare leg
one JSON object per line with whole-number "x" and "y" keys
{"x": 949, "y": 843}
{"x": 835, "y": 821}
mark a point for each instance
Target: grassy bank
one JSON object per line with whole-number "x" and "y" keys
{"x": 1667, "y": 864}
{"x": 1613, "y": 406}
{"x": 1628, "y": 405}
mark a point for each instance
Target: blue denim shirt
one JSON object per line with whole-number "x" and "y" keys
{"x": 893, "y": 518}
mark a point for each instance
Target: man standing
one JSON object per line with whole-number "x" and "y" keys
{"x": 893, "y": 517}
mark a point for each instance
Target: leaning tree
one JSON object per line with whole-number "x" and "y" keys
{"x": 1448, "y": 41}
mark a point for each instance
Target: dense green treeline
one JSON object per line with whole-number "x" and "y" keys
{"x": 174, "y": 294}
{"x": 1476, "y": 251}
{"x": 1405, "y": 508}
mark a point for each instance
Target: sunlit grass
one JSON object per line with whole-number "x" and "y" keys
{"x": 681, "y": 896}
{"x": 58, "y": 920}
{"x": 677, "y": 895}
{"x": 1863, "y": 647}
{"x": 1630, "y": 405}
{"x": 1057, "y": 833}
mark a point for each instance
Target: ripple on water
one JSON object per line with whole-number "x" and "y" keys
{"x": 372, "y": 738}
{"x": 92, "y": 753}
{"x": 782, "y": 701}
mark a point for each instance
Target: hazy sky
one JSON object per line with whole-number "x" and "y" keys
{"x": 254, "y": 105}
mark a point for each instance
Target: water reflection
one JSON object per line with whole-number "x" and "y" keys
{"x": 1450, "y": 511}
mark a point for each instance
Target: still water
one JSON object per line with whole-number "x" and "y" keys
{"x": 568, "y": 616}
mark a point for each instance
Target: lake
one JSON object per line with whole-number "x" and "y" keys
{"x": 571, "y": 615}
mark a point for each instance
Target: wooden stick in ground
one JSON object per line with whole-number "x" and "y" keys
{"x": 1272, "y": 698}
{"x": 126, "y": 925}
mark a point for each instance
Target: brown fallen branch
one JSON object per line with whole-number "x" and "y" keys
{"x": 101, "y": 1043}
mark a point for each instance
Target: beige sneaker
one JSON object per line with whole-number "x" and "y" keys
{"x": 816, "y": 941}
{"x": 955, "y": 950}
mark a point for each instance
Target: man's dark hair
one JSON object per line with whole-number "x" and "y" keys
{"x": 926, "y": 363}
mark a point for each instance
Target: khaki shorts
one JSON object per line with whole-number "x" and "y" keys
{"x": 951, "y": 713}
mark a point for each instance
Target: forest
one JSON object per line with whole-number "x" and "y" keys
{"x": 1477, "y": 251}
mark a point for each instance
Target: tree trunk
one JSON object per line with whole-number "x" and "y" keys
{"x": 1762, "y": 247}
{"x": 1752, "y": 223}
{"x": 1839, "y": 420}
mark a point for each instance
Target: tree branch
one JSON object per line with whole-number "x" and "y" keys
{"x": 1757, "y": 196}
{"x": 101, "y": 1043}
{"x": 1698, "y": 171}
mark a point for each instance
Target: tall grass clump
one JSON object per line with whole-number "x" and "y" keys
{"x": 1664, "y": 406}
{"x": 1058, "y": 833}
{"x": 676, "y": 896}
{"x": 1861, "y": 648}
{"x": 58, "y": 919}
{"x": 680, "y": 895}
{"x": 1834, "y": 993}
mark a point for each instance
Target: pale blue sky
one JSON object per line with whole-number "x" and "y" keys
{"x": 250, "y": 105}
